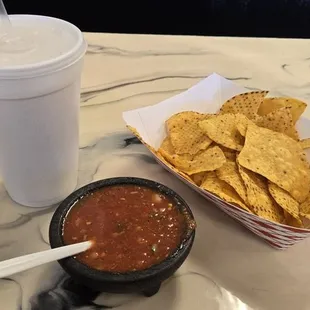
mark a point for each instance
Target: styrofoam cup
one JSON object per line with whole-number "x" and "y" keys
{"x": 39, "y": 117}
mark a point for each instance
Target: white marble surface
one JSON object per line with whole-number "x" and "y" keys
{"x": 229, "y": 268}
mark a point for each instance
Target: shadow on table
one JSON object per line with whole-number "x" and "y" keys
{"x": 69, "y": 295}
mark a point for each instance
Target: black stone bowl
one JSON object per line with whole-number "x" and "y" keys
{"x": 145, "y": 281}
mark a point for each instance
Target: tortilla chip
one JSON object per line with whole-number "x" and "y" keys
{"x": 305, "y": 143}
{"x": 223, "y": 130}
{"x": 185, "y": 134}
{"x": 293, "y": 133}
{"x": 198, "y": 177}
{"x": 167, "y": 151}
{"x": 296, "y": 106}
{"x": 242, "y": 127}
{"x": 229, "y": 153}
{"x": 291, "y": 221}
{"x": 206, "y": 160}
{"x": 305, "y": 222}
{"x": 184, "y": 175}
{"x": 230, "y": 174}
{"x": 246, "y": 104}
{"x": 167, "y": 146}
{"x": 280, "y": 121}
{"x": 214, "y": 185}
{"x": 304, "y": 208}
{"x": 285, "y": 201}
{"x": 278, "y": 158}
{"x": 259, "y": 198}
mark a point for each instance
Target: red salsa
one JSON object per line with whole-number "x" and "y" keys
{"x": 132, "y": 228}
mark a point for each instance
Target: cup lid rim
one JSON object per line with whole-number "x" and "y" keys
{"x": 47, "y": 66}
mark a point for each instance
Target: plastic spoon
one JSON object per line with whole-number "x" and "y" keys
{"x": 21, "y": 263}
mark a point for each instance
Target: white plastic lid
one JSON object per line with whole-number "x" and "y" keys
{"x": 54, "y": 55}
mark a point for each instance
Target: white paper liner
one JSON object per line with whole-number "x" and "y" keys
{"x": 208, "y": 96}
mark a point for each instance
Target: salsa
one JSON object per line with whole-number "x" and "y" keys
{"x": 132, "y": 228}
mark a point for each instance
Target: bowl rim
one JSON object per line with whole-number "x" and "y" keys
{"x": 78, "y": 268}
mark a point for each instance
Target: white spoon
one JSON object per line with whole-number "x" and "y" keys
{"x": 21, "y": 263}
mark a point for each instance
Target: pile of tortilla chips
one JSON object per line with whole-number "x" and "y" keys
{"x": 248, "y": 154}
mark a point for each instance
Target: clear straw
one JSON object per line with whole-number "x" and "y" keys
{"x": 5, "y": 24}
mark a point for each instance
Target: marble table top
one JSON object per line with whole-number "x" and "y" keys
{"x": 229, "y": 268}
